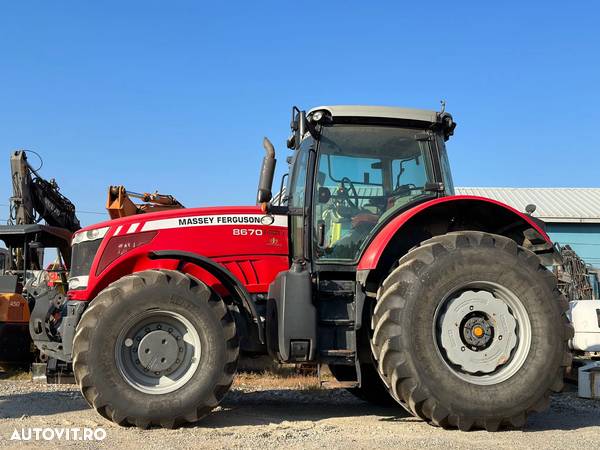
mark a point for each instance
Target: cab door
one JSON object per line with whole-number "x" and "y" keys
{"x": 298, "y": 203}
{"x": 291, "y": 313}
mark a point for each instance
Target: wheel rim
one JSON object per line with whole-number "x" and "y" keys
{"x": 483, "y": 333}
{"x": 158, "y": 351}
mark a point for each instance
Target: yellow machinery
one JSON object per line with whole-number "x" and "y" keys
{"x": 14, "y": 334}
{"x": 23, "y": 279}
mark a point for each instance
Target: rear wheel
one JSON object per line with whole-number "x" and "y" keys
{"x": 155, "y": 348}
{"x": 471, "y": 332}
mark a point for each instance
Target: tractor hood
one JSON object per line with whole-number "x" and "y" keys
{"x": 239, "y": 238}
{"x": 125, "y": 222}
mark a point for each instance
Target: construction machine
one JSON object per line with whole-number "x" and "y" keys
{"x": 25, "y": 283}
{"x": 437, "y": 303}
{"x": 120, "y": 204}
{"x": 41, "y": 221}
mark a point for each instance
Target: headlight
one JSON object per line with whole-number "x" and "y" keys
{"x": 90, "y": 235}
{"x": 317, "y": 116}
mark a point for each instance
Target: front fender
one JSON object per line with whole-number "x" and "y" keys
{"x": 227, "y": 279}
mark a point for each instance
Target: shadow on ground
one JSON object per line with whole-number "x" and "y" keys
{"x": 276, "y": 406}
{"x": 19, "y": 404}
{"x": 567, "y": 412}
{"x": 238, "y": 408}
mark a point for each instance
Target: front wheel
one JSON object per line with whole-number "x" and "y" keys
{"x": 155, "y": 348}
{"x": 470, "y": 331}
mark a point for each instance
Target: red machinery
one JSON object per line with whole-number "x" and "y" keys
{"x": 370, "y": 264}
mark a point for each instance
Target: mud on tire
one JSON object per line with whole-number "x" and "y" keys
{"x": 101, "y": 378}
{"x": 406, "y": 341}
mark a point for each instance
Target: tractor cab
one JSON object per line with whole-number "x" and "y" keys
{"x": 24, "y": 279}
{"x": 354, "y": 168}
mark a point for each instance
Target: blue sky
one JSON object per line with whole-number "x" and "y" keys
{"x": 177, "y": 95}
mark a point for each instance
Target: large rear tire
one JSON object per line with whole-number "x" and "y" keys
{"x": 470, "y": 331}
{"x": 156, "y": 348}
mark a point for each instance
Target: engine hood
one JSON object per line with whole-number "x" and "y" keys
{"x": 250, "y": 244}
{"x": 141, "y": 219}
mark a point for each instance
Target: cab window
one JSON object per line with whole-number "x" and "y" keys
{"x": 364, "y": 174}
{"x": 445, "y": 166}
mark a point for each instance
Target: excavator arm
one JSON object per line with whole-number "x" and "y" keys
{"x": 120, "y": 203}
{"x": 35, "y": 198}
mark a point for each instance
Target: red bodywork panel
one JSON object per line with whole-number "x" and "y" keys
{"x": 371, "y": 256}
{"x": 253, "y": 246}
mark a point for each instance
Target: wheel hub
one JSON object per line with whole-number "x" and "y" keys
{"x": 478, "y": 332}
{"x": 158, "y": 351}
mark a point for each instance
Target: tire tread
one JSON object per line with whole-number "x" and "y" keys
{"x": 387, "y": 348}
{"x": 105, "y": 300}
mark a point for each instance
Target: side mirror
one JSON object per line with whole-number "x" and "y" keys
{"x": 267, "y": 171}
{"x": 324, "y": 194}
{"x": 530, "y": 209}
{"x": 301, "y": 126}
{"x": 298, "y": 126}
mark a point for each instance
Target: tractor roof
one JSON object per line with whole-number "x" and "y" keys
{"x": 383, "y": 112}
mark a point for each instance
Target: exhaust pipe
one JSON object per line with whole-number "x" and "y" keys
{"x": 267, "y": 172}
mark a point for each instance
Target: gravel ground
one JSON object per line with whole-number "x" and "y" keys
{"x": 259, "y": 418}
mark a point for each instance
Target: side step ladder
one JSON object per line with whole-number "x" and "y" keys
{"x": 335, "y": 384}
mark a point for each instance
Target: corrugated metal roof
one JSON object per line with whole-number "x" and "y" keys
{"x": 578, "y": 205}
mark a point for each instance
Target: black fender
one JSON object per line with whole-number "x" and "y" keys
{"x": 229, "y": 281}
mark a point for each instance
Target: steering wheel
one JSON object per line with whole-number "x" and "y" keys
{"x": 345, "y": 192}
{"x": 347, "y": 196}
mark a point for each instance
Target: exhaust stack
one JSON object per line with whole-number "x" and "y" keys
{"x": 267, "y": 172}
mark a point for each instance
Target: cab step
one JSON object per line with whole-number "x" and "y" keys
{"x": 337, "y": 322}
{"x": 337, "y": 353}
{"x": 339, "y": 384}
{"x": 335, "y": 356}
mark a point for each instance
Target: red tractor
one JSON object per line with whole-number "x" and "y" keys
{"x": 366, "y": 262}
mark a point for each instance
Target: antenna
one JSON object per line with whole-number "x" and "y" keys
{"x": 443, "y": 103}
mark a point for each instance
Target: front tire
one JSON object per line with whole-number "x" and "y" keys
{"x": 156, "y": 348}
{"x": 470, "y": 332}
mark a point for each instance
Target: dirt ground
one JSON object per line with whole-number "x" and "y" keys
{"x": 274, "y": 412}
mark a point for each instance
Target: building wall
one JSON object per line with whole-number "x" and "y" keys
{"x": 584, "y": 238}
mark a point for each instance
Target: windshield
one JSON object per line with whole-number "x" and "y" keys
{"x": 365, "y": 173}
